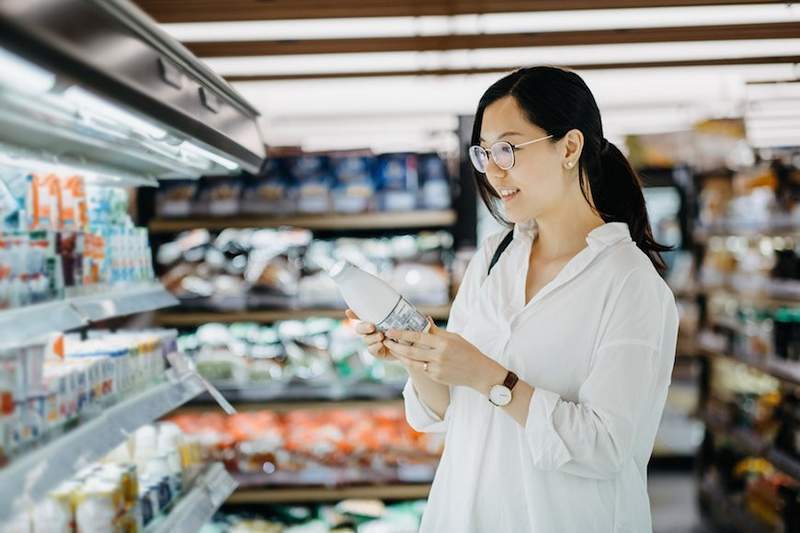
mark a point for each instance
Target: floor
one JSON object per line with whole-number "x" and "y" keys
{"x": 673, "y": 502}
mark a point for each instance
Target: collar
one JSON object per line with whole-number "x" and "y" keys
{"x": 600, "y": 237}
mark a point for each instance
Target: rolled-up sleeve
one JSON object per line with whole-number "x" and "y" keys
{"x": 420, "y": 416}
{"x": 594, "y": 436}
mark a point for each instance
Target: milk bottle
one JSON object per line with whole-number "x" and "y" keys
{"x": 373, "y": 300}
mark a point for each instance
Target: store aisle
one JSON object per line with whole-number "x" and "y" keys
{"x": 673, "y": 500}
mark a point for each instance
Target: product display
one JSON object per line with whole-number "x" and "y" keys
{"x": 136, "y": 483}
{"x": 287, "y": 269}
{"x": 340, "y": 182}
{"x": 309, "y": 447}
{"x": 362, "y": 516}
{"x": 44, "y": 388}
{"x": 288, "y": 353}
{"x": 61, "y": 237}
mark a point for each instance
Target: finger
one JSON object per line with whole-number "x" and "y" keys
{"x": 410, "y": 352}
{"x": 379, "y": 350}
{"x": 365, "y": 328}
{"x": 375, "y": 338}
{"x": 351, "y": 315}
{"x": 412, "y": 364}
{"x": 434, "y": 329}
{"x": 413, "y": 337}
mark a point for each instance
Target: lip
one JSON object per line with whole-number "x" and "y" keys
{"x": 509, "y": 198}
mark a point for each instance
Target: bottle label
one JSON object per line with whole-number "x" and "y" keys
{"x": 404, "y": 316}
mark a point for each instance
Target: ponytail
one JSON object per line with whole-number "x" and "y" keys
{"x": 618, "y": 197}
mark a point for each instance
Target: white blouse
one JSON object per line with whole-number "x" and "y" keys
{"x": 597, "y": 343}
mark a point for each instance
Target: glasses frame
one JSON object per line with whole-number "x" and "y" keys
{"x": 489, "y": 155}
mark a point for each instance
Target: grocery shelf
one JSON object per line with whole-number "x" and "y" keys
{"x": 788, "y": 296}
{"x": 303, "y": 392}
{"x": 124, "y": 301}
{"x": 196, "y": 318}
{"x": 20, "y": 326}
{"x": 30, "y": 476}
{"x": 783, "y": 370}
{"x": 732, "y": 512}
{"x": 195, "y": 508}
{"x": 328, "y": 221}
{"x": 753, "y": 444}
{"x": 325, "y": 494}
{"x": 777, "y": 226}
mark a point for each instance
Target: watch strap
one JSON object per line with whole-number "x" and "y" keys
{"x": 511, "y": 380}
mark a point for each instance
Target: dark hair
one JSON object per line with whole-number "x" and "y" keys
{"x": 557, "y": 101}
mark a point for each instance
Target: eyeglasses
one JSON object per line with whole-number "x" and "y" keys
{"x": 502, "y": 153}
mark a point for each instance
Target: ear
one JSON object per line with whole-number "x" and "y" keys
{"x": 572, "y": 147}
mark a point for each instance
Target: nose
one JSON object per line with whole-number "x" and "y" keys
{"x": 493, "y": 172}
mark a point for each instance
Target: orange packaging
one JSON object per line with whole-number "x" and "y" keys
{"x": 75, "y": 214}
{"x": 45, "y": 202}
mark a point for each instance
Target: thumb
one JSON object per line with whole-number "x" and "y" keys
{"x": 434, "y": 329}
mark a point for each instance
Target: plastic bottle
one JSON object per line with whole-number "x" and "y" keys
{"x": 375, "y": 301}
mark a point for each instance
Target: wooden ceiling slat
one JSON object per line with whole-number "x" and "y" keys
{"x": 762, "y": 60}
{"x": 231, "y": 10}
{"x": 776, "y": 30}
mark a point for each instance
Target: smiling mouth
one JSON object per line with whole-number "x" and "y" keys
{"x": 508, "y": 193}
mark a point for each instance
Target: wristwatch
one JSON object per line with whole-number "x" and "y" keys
{"x": 500, "y": 395}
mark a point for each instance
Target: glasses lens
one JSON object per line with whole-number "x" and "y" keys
{"x": 503, "y": 155}
{"x": 478, "y": 157}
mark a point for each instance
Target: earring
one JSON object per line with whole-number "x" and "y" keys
{"x": 570, "y": 163}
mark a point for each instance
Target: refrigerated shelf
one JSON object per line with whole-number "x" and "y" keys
{"x": 20, "y": 326}
{"x": 195, "y": 508}
{"x": 30, "y": 476}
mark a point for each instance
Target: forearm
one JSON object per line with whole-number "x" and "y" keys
{"x": 520, "y": 399}
{"x": 434, "y": 395}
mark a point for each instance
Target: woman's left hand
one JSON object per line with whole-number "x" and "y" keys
{"x": 450, "y": 358}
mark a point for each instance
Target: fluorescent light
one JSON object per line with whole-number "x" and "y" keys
{"x": 95, "y": 106}
{"x": 195, "y": 150}
{"x": 30, "y": 161}
{"x": 501, "y": 57}
{"x": 23, "y": 75}
{"x": 492, "y": 23}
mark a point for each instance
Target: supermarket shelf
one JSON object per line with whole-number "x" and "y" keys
{"x": 786, "y": 296}
{"x": 195, "y": 318}
{"x": 782, "y": 370}
{"x": 329, "y": 221}
{"x": 324, "y": 494}
{"x": 731, "y": 512}
{"x": 751, "y": 443}
{"x": 32, "y": 475}
{"x": 778, "y": 226}
{"x": 19, "y": 326}
{"x": 125, "y": 301}
{"x": 194, "y": 509}
{"x": 302, "y": 392}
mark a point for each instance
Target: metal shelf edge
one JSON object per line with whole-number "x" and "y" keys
{"x": 33, "y": 475}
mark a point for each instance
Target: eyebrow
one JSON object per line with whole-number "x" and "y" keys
{"x": 504, "y": 134}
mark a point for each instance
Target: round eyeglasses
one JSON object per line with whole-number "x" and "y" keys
{"x": 501, "y": 152}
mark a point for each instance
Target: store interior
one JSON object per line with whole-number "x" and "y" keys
{"x": 178, "y": 177}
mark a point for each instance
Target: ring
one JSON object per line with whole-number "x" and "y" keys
{"x": 425, "y": 367}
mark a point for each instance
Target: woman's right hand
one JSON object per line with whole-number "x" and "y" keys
{"x": 371, "y": 336}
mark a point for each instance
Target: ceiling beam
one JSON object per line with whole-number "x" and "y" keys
{"x": 764, "y": 60}
{"x": 231, "y": 10}
{"x": 775, "y": 30}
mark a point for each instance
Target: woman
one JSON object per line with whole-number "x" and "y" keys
{"x": 552, "y": 375}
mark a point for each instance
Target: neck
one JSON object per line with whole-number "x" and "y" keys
{"x": 563, "y": 232}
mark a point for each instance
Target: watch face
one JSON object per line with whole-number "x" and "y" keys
{"x": 500, "y": 395}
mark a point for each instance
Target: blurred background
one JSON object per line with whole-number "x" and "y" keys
{"x": 364, "y": 112}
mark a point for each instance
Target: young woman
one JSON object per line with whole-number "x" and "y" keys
{"x": 552, "y": 375}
